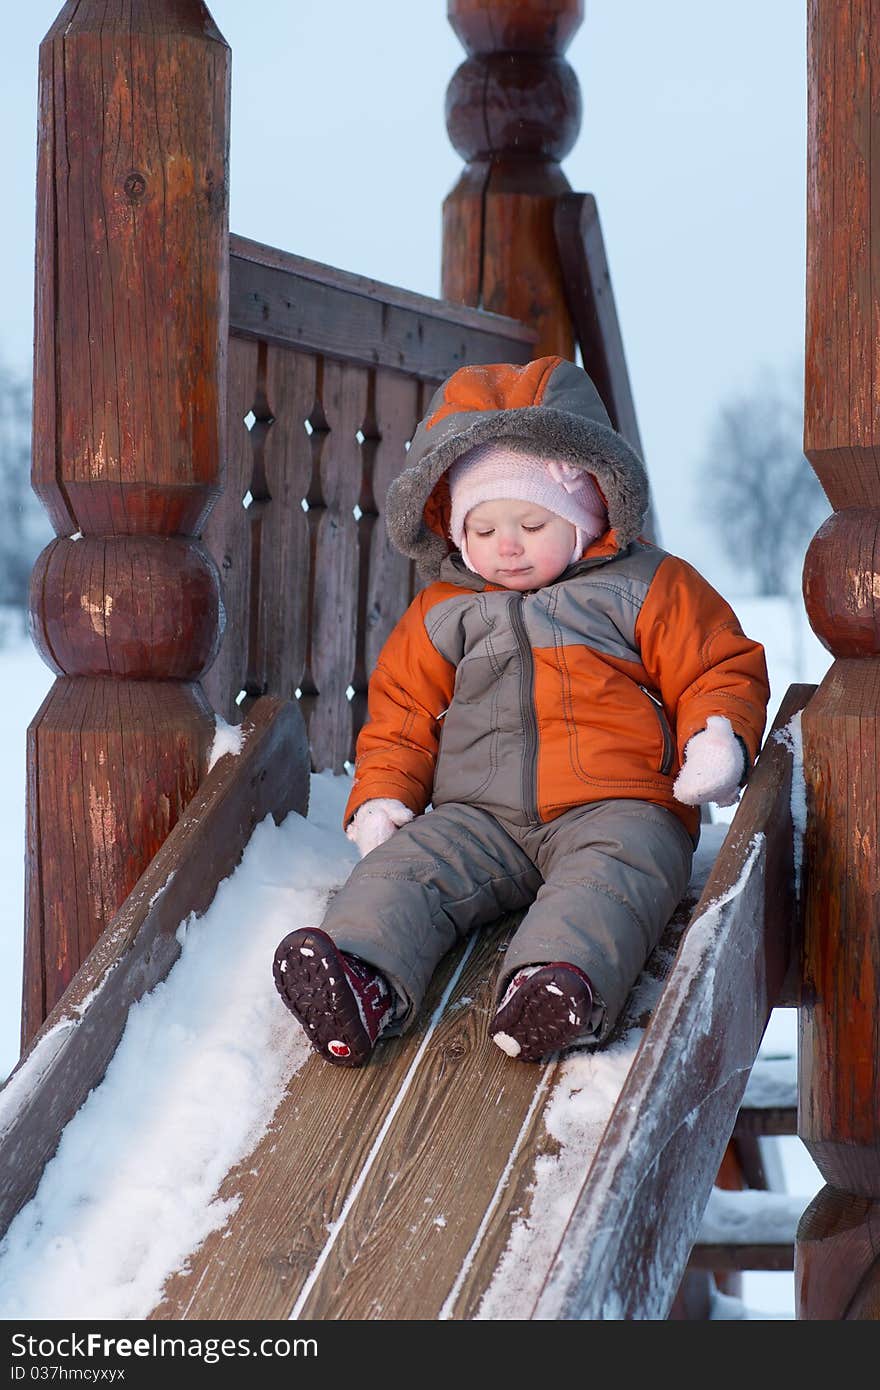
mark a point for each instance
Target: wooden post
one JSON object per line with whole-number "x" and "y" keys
{"x": 131, "y": 328}
{"x": 513, "y": 112}
{"x": 836, "y": 1263}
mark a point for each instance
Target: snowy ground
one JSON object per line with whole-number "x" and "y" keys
{"x": 87, "y": 1276}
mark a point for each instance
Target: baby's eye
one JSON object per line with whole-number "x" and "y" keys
{"x": 483, "y": 534}
{"x": 539, "y": 527}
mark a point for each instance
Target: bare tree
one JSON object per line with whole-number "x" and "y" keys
{"x": 25, "y": 527}
{"x": 758, "y": 488}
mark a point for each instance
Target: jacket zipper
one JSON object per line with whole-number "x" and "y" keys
{"x": 527, "y": 709}
{"x": 666, "y": 764}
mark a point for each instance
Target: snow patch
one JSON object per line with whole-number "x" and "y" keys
{"x": 228, "y": 738}
{"x": 22, "y": 1082}
{"x": 791, "y": 737}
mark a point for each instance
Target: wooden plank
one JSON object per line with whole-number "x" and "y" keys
{"x": 639, "y": 1210}
{"x": 384, "y": 574}
{"x": 326, "y": 1137}
{"x": 836, "y": 1261}
{"x": 227, "y": 534}
{"x": 337, "y": 482}
{"x": 284, "y": 299}
{"x": 69, "y": 1054}
{"x": 590, "y": 299}
{"x": 415, "y": 1223}
{"x": 280, "y": 528}
{"x": 728, "y": 1257}
{"x": 768, "y": 1120}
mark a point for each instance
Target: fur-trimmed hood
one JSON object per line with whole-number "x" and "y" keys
{"x": 551, "y": 402}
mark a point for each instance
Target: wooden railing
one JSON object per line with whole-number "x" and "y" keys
{"x": 329, "y": 374}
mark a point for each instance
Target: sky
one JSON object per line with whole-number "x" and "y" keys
{"x": 693, "y": 141}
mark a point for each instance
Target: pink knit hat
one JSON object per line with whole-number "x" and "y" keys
{"x": 511, "y": 469}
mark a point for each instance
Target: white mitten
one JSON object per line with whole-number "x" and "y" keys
{"x": 376, "y": 821}
{"x": 713, "y": 766}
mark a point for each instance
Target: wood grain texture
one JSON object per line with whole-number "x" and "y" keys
{"x": 839, "y": 1033}
{"x": 131, "y": 323}
{"x": 416, "y": 1216}
{"x": 113, "y": 763}
{"x": 280, "y": 529}
{"x": 512, "y": 113}
{"x": 842, "y": 582}
{"x": 590, "y": 298}
{"x": 342, "y": 394}
{"x": 131, "y": 331}
{"x": 228, "y": 533}
{"x": 843, "y": 250}
{"x": 284, "y": 299}
{"x": 836, "y": 1264}
{"x": 839, "y": 1043}
{"x": 384, "y": 574}
{"x": 67, "y": 1056}
{"x": 135, "y": 607}
{"x": 377, "y": 1223}
{"x": 639, "y": 1211}
{"x": 324, "y": 1132}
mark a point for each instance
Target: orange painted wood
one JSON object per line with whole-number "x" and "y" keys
{"x": 513, "y": 113}
{"x": 131, "y": 328}
{"x": 68, "y": 1055}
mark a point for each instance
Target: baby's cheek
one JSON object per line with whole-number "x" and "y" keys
{"x": 552, "y": 552}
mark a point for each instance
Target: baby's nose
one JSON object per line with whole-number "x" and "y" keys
{"x": 509, "y": 543}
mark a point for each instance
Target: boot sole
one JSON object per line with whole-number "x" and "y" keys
{"x": 309, "y": 975}
{"x": 549, "y": 1012}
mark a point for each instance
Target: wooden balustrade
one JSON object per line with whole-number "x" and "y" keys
{"x": 329, "y": 374}
{"x": 130, "y": 369}
{"x": 837, "y": 1267}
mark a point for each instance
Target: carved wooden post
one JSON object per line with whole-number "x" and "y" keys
{"x": 837, "y": 1269}
{"x": 513, "y": 112}
{"x": 131, "y": 332}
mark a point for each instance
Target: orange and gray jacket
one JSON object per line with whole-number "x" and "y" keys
{"x": 528, "y": 704}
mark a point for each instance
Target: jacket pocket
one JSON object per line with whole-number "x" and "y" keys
{"x": 668, "y": 753}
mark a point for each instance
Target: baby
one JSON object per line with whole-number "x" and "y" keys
{"x": 544, "y": 721}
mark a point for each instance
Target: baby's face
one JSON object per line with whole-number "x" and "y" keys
{"x": 518, "y": 544}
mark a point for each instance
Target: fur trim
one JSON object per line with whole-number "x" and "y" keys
{"x": 571, "y": 437}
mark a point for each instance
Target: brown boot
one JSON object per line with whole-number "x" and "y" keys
{"x": 545, "y": 1008}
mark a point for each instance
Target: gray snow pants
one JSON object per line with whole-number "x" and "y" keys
{"x": 600, "y": 883}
